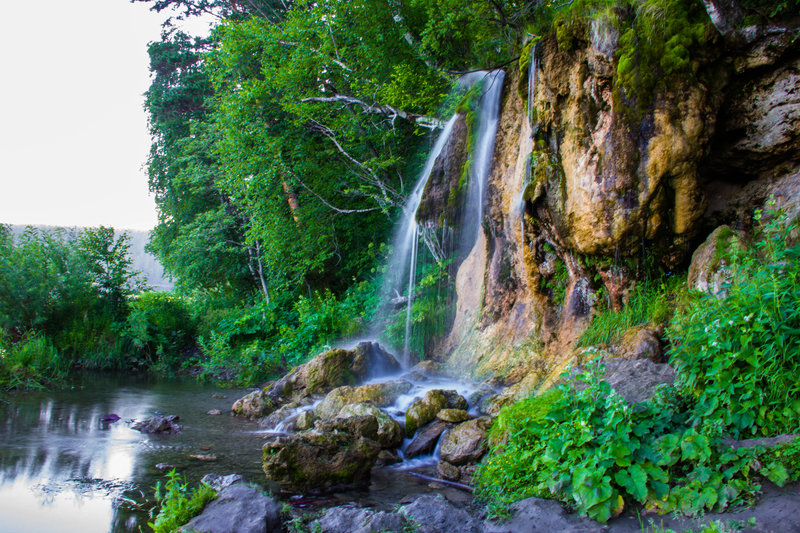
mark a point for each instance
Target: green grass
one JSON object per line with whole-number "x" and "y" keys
{"x": 651, "y": 302}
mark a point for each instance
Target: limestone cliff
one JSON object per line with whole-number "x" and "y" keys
{"x": 584, "y": 190}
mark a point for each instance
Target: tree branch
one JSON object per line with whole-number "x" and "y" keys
{"x": 376, "y": 109}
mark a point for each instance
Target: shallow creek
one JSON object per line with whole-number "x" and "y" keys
{"x": 63, "y": 469}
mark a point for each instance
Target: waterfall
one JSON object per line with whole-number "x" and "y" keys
{"x": 401, "y": 269}
{"x": 482, "y": 157}
{"x": 533, "y": 68}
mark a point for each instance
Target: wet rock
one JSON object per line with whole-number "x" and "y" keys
{"x": 381, "y": 394}
{"x": 425, "y": 440}
{"x": 466, "y": 473}
{"x": 387, "y": 458}
{"x": 636, "y": 381}
{"x": 336, "y": 453}
{"x": 390, "y": 432}
{"x": 447, "y": 471}
{"x": 424, "y": 410}
{"x": 435, "y": 514}
{"x": 218, "y": 482}
{"x": 454, "y": 416}
{"x": 159, "y": 424}
{"x": 208, "y": 457}
{"x": 238, "y": 509}
{"x": 320, "y": 375}
{"x": 218, "y": 396}
{"x": 164, "y": 466}
{"x": 709, "y": 271}
{"x": 535, "y": 514}
{"x": 427, "y": 368}
{"x": 480, "y": 396}
{"x": 305, "y": 420}
{"x": 281, "y": 414}
{"x": 466, "y": 442}
{"x": 215, "y": 412}
{"x": 350, "y": 520}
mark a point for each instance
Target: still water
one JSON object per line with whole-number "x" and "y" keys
{"x": 64, "y": 470}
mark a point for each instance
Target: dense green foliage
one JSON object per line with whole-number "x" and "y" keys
{"x": 177, "y": 503}
{"x": 63, "y": 300}
{"x": 734, "y": 355}
{"x": 737, "y": 356}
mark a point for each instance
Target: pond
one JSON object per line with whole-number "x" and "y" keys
{"x": 62, "y": 469}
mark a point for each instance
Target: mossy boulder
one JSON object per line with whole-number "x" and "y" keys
{"x": 336, "y": 453}
{"x": 424, "y": 410}
{"x": 390, "y": 432}
{"x": 380, "y": 394}
{"x": 466, "y": 442}
{"x": 320, "y": 375}
{"x": 454, "y": 416}
{"x": 709, "y": 270}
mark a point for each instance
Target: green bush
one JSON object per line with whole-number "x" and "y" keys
{"x": 737, "y": 355}
{"x": 178, "y": 504}
{"x": 589, "y": 448}
{"x": 159, "y": 329}
{"x": 31, "y": 363}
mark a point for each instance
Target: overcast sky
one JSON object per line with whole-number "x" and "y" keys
{"x": 73, "y": 132}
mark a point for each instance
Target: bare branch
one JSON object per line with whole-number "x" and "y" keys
{"x": 325, "y": 202}
{"x": 377, "y": 109}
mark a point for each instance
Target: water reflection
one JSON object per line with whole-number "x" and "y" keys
{"x": 62, "y": 468}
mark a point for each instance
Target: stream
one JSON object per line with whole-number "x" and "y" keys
{"x": 62, "y": 469}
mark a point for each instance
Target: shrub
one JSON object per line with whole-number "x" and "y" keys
{"x": 586, "y": 446}
{"x": 160, "y": 328}
{"x": 178, "y": 504}
{"x": 31, "y": 363}
{"x": 737, "y": 356}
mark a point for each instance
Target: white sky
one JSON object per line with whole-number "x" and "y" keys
{"x": 73, "y": 130}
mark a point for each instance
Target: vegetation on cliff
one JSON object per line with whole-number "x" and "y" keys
{"x": 734, "y": 354}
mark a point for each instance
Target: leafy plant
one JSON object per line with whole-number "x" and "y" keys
{"x": 586, "y": 446}
{"x": 177, "y": 503}
{"x": 736, "y": 355}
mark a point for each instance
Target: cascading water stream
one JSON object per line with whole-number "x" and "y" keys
{"x": 533, "y": 68}
{"x": 482, "y": 156}
{"x": 401, "y": 269}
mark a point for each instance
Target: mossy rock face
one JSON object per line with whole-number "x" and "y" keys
{"x": 424, "y": 410}
{"x": 380, "y": 394}
{"x": 320, "y": 375}
{"x": 466, "y": 442}
{"x": 336, "y": 453}
{"x": 390, "y": 432}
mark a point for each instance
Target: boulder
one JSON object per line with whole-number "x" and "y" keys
{"x": 335, "y": 453}
{"x": 636, "y": 381}
{"x": 305, "y": 420}
{"x": 380, "y": 394}
{"x": 427, "y": 368}
{"x": 435, "y": 514}
{"x": 466, "y": 442}
{"x": 320, "y": 375}
{"x": 218, "y": 482}
{"x": 159, "y": 424}
{"x": 388, "y": 457}
{"x": 238, "y": 509}
{"x": 454, "y": 416}
{"x": 536, "y": 514}
{"x": 708, "y": 271}
{"x": 447, "y": 471}
{"x": 351, "y": 520}
{"x": 424, "y": 410}
{"x": 642, "y": 343}
{"x": 390, "y": 432}
{"x": 425, "y": 440}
